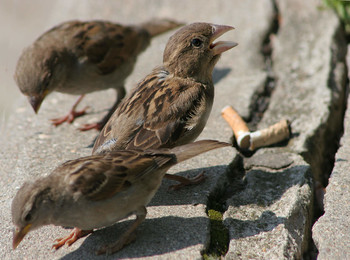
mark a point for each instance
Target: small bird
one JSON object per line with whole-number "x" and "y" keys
{"x": 171, "y": 105}
{"x": 81, "y": 57}
{"x": 97, "y": 191}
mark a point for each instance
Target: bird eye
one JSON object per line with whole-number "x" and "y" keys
{"x": 196, "y": 42}
{"x": 28, "y": 217}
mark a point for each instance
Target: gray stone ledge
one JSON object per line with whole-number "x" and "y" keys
{"x": 272, "y": 210}
{"x": 269, "y": 218}
{"x": 331, "y": 232}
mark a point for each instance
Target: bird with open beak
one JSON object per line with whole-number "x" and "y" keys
{"x": 171, "y": 105}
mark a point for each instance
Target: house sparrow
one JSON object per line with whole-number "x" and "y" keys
{"x": 81, "y": 57}
{"x": 97, "y": 191}
{"x": 171, "y": 105}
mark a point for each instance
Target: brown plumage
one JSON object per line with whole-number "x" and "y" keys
{"x": 81, "y": 57}
{"x": 97, "y": 191}
{"x": 171, "y": 105}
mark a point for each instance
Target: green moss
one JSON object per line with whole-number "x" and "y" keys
{"x": 215, "y": 215}
{"x": 229, "y": 185}
{"x": 342, "y": 8}
{"x": 219, "y": 236}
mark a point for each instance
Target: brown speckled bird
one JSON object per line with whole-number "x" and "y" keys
{"x": 97, "y": 191}
{"x": 81, "y": 57}
{"x": 171, "y": 105}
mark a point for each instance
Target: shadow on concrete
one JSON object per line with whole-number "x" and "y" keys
{"x": 247, "y": 228}
{"x": 189, "y": 195}
{"x": 159, "y": 235}
{"x": 154, "y": 237}
{"x": 265, "y": 187}
{"x": 219, "y": 74}
{"x": 168, "y": 234}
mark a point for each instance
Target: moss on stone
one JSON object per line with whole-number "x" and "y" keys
{"x": 219, "y": 236}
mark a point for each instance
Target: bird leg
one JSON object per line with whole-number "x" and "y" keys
{"x": 72, "y": 114}
{"x": 184, "y": 181}
{"x": 71, "y": 238}
{"x": 99, "y": 125}
{"x": 128, "y": 237}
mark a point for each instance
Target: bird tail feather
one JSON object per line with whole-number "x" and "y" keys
{"x": 190, "y": 150}
{"x": 159, "y": 26}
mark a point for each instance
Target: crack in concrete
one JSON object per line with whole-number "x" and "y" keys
{"x": 228, "y": 185}
{"x": 261, "y": 98}
{"x": 321, "y": 155}
{"x": 233, "y": 181}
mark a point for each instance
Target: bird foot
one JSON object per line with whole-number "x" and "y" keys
{"x": 69, "y": 118}
{"x": 185, "y": 181}
{"x": 98, "y": 126}
{"x": 71, "y": 238}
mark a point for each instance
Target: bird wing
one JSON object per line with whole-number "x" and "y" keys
{"x": 101, "y": 177}
{"x": 107, "y": 45}
{"x": 157, "y": 113}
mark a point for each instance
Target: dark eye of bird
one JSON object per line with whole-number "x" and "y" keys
{"x": 28, "y": 217}
{"x": 196, "y": 42}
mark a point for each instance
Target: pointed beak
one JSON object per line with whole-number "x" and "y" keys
{"x": 19, "y": 235}
{"x": 35, "y": 102}
{"x": 221, "y": 46}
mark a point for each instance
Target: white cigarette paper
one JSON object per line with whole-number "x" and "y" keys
{"x": 239, "y": 127}
{"x": 271, "y": 135}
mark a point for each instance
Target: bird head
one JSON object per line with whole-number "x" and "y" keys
{"x": 29, "y": 210}
{"x": 192, "y": 52}
{"x": 38, "y": 72}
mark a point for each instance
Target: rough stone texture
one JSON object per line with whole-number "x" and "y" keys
{"x": 268, "y": 218}
{"x": 331, "y": 233}
{"x": 310, "y": 73}
{"x": 177, "y": 225}
{"x": 309, "y": 66}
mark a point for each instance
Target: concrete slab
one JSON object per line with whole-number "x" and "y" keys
{"x": 309, "y": 65}
{"x": 177, "y": 223}
{"x": 270, "y": 217}
{"x": 331, "y": 232}
{"x": 310, "y": 73}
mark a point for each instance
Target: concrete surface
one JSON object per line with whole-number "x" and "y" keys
{"x": 269, "y": 218}
{"x": 269, "y": 206}
{"x": 331, "y": 232}
{"x": 311, "y": 81}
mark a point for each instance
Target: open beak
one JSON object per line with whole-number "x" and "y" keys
{"x": 19, "y": 235}
{"x": 221, "y": 46}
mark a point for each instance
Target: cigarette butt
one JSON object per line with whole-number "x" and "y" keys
{"x": 239, "y": 127}
{"x": 271, "y": 135}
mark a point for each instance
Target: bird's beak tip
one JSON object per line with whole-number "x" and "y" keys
{"x": 35, "y": 102}
{"x": 221, "y": 46}
{"x": 19, "y": 234}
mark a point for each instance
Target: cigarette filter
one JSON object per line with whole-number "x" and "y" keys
{"x": 271, "y": 135}
{"x": 239, "y": 127}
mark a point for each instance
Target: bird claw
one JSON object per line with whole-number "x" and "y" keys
{"x": 71, "y": 238}
{"x": 98, "y": 126}
{"x": 187, "y": 182}
{"x": 69, "y": 118}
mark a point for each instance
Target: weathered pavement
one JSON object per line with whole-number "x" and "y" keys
{"x": 331, "y": 232}
{"x": 266, "y": 200}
